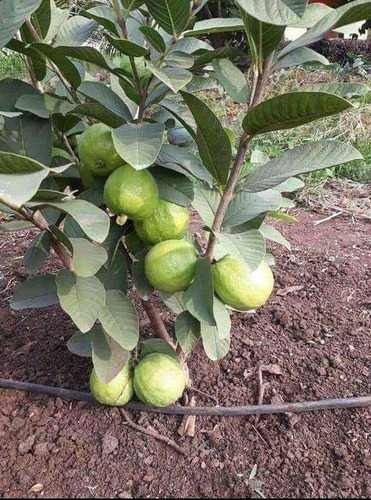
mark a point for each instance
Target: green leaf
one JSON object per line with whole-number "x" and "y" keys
{"x": 112, "y": 241}
{"x": 15, "y": 225}
{"x": 346, "y": 90}
{"x": 174, "y": 302}
{"x": 174, "y": 78}
{"x": 206, "y": 202}
{"x": 144, "y": 288}
{"x": 109, "y": 358}
{"x": 80, "y": 344}
{"x": 189, "y": 162}
{"x": 44, "y": 105}
{"x": 93, "y": 221}
{"x": 98, "y": 112}
{"x": 302, "y": 55}
{"x": 199, "y": 297}
{"x": 41, "y": 19}
{"x": 172, "y": 16}
{"x": 114, "y": 277}
{"x": 178, "y": 59}
{"x": 232, "y": 79}
{"x": 208, "y": 56}
{"x": 262, "y": 38}
{"x": 20, "y": 178}
{"x": 132, "y": 4}
{"x": 282, "y": 13}
{"x": 25, "y": 134}
{"x": 13, "y": 13}
{"x": 187, "y": 331}
{"x": 104, "y": 96}
{"x": 81, "y": 298}
{"x": 173, "y": 186}
{"x": 105, "y": 16}
{"x": 139, "y": 144}
{"x": 37, "y": 253}
{"x": 67, "y": 68}
{"x": 217, "y": 25}
{"x": 157, "y": 345}
{"x": 154, "y": 38}
{"x": 87, "y": 257}
{"x": 272, "y": 234}
{"x": 290, "y": 185}
{"x": 75, "y": 31}
{"x": 216, "y": 339}
{"x": 352, "y": 12}
{"x": 306, "y": 158}
{"x": 126, "y": 46}
{"x": 212, "y": 140}
{"x": 249, "y": 247}
{"x": 119, "y": 319}
{"x": 291, "y": 110}
{"x": 247, "y": 206}
{"x": 40, "y": 291}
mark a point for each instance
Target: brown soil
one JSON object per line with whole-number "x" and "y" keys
{"x": 316, "y": 328}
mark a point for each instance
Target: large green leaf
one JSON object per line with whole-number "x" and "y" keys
{"x": 109, "y": 358}
{"x": 154, "y": 38}
{"x": 213, "y": 142}
{"x": 104, "y": 96}
{"x": 247, "y": 206}
{"x": 206, "y": 202}
{"x": 205, "y": 57}
{"x": 173, "y": 186}
{"x": 139, "y": 144}
{"x": 24, "y": 134}
{"x": 174, "y": 78}
{"x": 199, "y": 297}
{"x": 171, "y": 15}
{"x": 114, "y": 276}
{"x": 279, "y": 12}
{"x": 216, "y": 339}
{"x": 174, "y": 302}
{"x": 306, "y": 158}
{"x": 13, "y": 13}
{"x": 218, "y": 25}
{"x": 262, "y": 38}
{"x": 352, "y": 12}
{"x": 302, "y": 55}
{"x": 37, "y": 253}
{"x": 44, "y": 105}
{"x": 291, "y": 110}
{"x": 249, "y": 246}
{"x": 40, "y": 291}
{"x": 150, "y": 346}
{"x": 126, "y": 46}
{"x": 20, "y": 177}
{"x": 81, "y": 298}
{"x": 41, "y": 18}
{"x": 272, "y": 234}
{"x": 119, "y": 319}
{"x": 232, "y": 79}
{"x": 187, "y": 331}
{"x": 75, "y": 31}
{"x": 66, "y": 67}
{"x": 14, "y": 225}
{"x": 105, "y": 16}
{"x": 98, "y": 112}
{"x": 189, "y": 162}
{"x": 81, "y": 343}
{"x": 94, "y": 222}
{"x": 87, "y": 258}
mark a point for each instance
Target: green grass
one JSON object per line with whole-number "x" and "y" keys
{"x": 359, "y": 171}
{"x": 12, "y": 66}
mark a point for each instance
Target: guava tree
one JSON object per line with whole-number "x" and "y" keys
{"x": 107, "y": 148}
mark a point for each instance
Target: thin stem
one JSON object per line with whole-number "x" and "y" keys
{"x": 66, "y": 145}
{"x": 257, "y": 96}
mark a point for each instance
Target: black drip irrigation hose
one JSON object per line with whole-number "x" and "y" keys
{"x": 226, "y": 411}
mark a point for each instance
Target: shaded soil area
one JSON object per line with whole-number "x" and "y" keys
{"x": 314, "y": 335}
